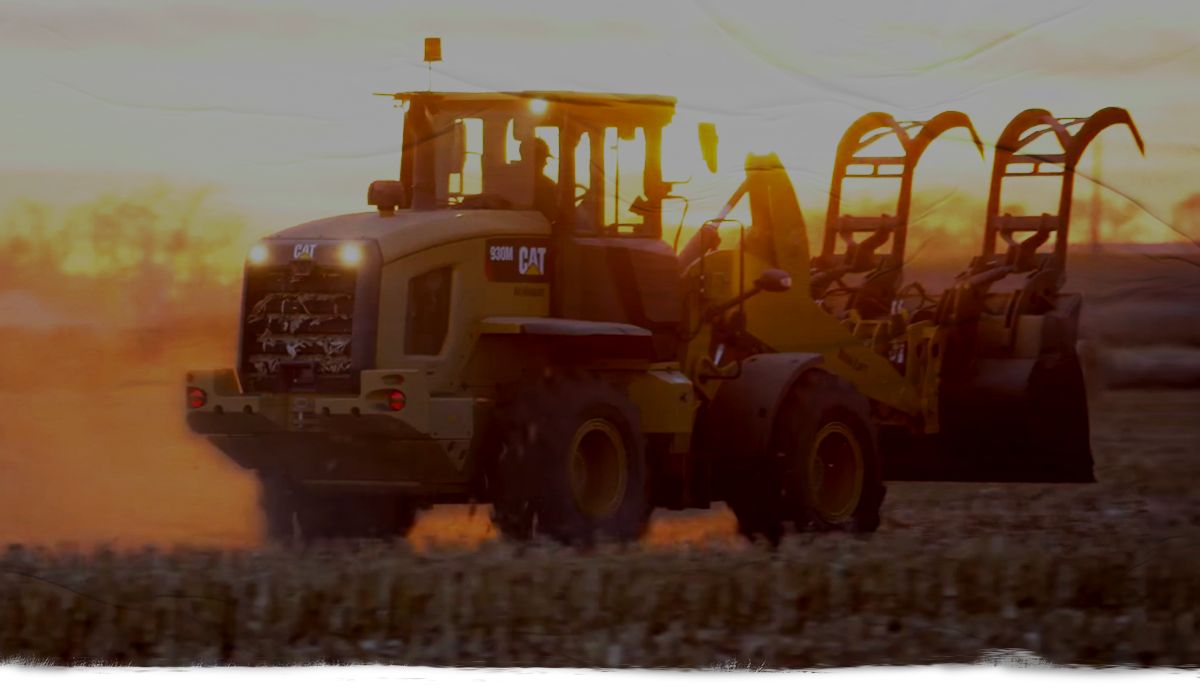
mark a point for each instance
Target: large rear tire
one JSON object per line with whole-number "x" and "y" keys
{"x": 571, "y": 464}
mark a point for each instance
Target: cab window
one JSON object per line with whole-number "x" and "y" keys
{"x": 428, "y": 316}
{"x": 624, "y": 165}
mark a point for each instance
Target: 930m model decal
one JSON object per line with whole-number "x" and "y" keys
{"x": 517, "y": 260}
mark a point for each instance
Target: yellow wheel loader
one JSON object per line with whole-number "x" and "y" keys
{"x": 509, "y": 326}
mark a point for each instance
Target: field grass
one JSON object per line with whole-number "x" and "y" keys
{"x": 1095, "y": 574}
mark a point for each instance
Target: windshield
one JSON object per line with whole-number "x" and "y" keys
{"x": 480, "y": 162}
{"x": 578, "y": 166}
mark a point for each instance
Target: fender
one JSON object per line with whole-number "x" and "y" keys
{"x": 582, "y": 338}
{"x": 739, "y": 420}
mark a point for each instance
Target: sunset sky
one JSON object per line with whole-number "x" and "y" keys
{"x": 270, "y": 102}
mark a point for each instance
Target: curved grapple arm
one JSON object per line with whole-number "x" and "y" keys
{"x": 1014, "y": 159}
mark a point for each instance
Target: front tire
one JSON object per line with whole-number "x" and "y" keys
{"x": 832, "y": 474}
{"x": 823, "y": 472}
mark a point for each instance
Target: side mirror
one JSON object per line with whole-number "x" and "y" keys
{"x": 458, "y": 147}
{"x": 708, "y": 144}
{"x": 643, "y": 207}
{"x": 773, "y": 280}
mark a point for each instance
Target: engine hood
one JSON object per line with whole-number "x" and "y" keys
{"x": 408, "y": 232}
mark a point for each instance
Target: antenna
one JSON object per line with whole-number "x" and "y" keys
{"x": 433, "y": 54}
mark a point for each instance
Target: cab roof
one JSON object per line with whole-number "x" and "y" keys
{"x": 588, "y": 99}
{"x": 612, "y": 108}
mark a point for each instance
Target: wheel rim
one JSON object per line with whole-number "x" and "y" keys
{"x": 599, "y": 467}
{"x": 835, "y": 473}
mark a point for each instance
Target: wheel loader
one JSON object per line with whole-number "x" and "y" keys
{"x": 510, "y": 325}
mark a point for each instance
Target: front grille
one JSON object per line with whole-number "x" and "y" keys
{"x": 298, "y": 328}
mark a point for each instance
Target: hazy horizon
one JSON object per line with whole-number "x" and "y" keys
{"x": 270, "y": 103}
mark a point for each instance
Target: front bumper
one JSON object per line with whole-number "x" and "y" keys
{"x": 343, "y": 441}
{"x": 227, "y": 411}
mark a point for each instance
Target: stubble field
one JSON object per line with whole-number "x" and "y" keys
{"x": 1093, "y": 574}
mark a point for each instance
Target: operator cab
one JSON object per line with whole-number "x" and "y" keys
{"x": 589, "y": 163}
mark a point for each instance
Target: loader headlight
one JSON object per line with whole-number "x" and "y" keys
{"x": 350, "y": 254}
{"x": 258, "y": 254}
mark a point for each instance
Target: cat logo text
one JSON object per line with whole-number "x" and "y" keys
{"x": 514, "y": 260}
{"x": 531, "y": 260}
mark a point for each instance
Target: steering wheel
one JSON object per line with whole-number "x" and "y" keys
{"x": 581, "y": 193}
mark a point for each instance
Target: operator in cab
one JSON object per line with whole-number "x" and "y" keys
{"x": 545, "y": 190}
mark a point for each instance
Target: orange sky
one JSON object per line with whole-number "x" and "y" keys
{"x": 271, "y": 101}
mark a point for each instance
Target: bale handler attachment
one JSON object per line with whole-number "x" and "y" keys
{"x": 858, "y": 275}
{"x": 1012, "y": 394}
{"x": 877, "y": 258}
{"x": 979, "y": 383}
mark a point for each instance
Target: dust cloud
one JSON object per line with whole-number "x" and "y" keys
{"x": 93, "y": 448}
{"x": 103, "y": 307}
